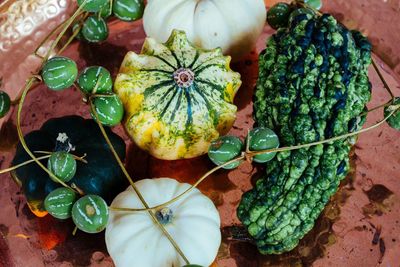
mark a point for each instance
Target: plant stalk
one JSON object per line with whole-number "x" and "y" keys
{"x": 140, "y": 196}
{"x": 250, "y": 154}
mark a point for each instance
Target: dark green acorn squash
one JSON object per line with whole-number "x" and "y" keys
{"x": 101, "y": 175}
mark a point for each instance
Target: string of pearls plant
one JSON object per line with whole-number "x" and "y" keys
{"x": 59, "y": 73}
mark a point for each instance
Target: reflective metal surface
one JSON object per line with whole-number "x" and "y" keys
{"x": 360, "y": 227}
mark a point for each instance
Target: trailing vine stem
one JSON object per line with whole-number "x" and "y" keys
{"x": 68, "y": 23}
{"x": 387, "y": 87}
{"x": 22, "y": 138}
{"x": 54, "y": 44}
{"x": 82, "y": 158}
{"x": 240, "y": 158}
{"x": 21, "y": 99}
{"x": 74, "y": 34}
{"x": 12, "y": 168}
{"x": 120, "y": 163}
{"x": 48, "y": 155}
{"x": 28, "y": 86}
{"x": 390, "y": 102}
{"x": 51, "y": 33}
{"x": 245, "y": 155}
{"x": 250, "y": 154}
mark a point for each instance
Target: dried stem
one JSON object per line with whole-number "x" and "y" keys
{"x": 199, "y": 181}
{"x": 82, "y": 158}
{"x": 22, "y": 138}
{"x": 151, "y": 213}
{"x": 247, "y": 154}
{"x": 22, "y": 164}
{"x": 29, "y": 85}
{"x": 251, "y": 154}
{"x": 74, "y": 34}
{"x": 48, "y": 155}
{"x": 378, "y": 71}
{"x": 48, "y": 36}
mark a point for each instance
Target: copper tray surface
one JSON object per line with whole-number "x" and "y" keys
{"x": 359, "y": 227}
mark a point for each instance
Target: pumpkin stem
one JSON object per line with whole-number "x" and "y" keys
{"x": 164, "y": 215}
{"x": 184, "y": 77}
{"x": 63, "y": 143}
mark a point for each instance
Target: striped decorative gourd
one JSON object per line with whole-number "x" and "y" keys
{"x": 177, "y": 98}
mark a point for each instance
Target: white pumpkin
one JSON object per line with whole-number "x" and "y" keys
{"x": 233, "y": 25}
{"x": 134, "y": 240}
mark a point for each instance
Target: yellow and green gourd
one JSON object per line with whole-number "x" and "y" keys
{"x": 177, "y": 98}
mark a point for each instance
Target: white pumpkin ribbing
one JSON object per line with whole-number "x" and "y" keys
{"x": 233, "y": 25}
{"x": 133, "y": 239}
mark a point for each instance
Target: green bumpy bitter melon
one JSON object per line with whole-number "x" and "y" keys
{"x": 313, "y": 85}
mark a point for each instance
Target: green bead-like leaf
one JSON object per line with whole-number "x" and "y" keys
{"x": 79, "y": 36}
{"x": 93, "y": 5}
{"x": 262, "y": 139}
{"x": 300, "y": 11}
{"x": 95, "y": 29}
{"x": 90, "y": 214}
{"x": 95, "y": 75}
{"x": 109, "y": 110}
{"x": 128, "y": 10}
{"x": 225, "y": 149}
{"x": 394, "y": 120}
{"x": 62, "y": 165}
{"x": 317, "y": 4}
{"x": 59, "y": 202}
{"x": 106, "y": 10}
{"x": 278, "y": 15}
{"x": 59, "y": 73}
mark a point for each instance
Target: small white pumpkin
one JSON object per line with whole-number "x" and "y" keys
{"x": 233, "y": 25}
{"x": 134, "y": 240}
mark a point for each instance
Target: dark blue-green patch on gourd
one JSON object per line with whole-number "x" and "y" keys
{"x": 101, "y": 175}
{"x": 313, "y": 84}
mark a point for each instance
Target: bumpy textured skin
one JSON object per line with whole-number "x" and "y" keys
{"x": 166, "y": 119}
{"x": 312, "y": 85}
